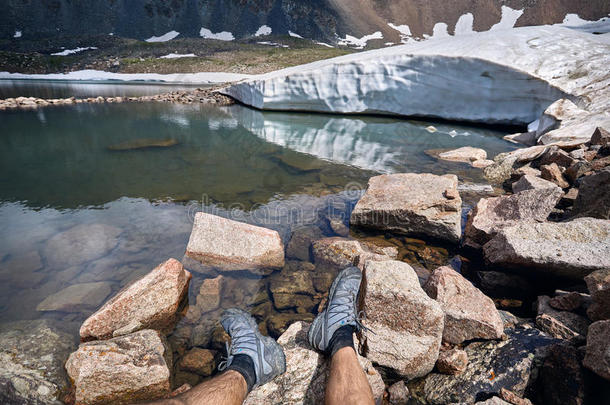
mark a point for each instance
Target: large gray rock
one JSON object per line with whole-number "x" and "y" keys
{"x": 568, "y": 249}
{"x": 597, "y": 358}
{"x": 80, "y": 244}
{"x": 407, "y": 324}
{"x": 594, "y": 196}
{"x": 492, "y": 365}
{"x": 77, "y": 297}
{"x": 412, "y": 204}
{"x": 469, "y": 314}
{"x": 306, "y": 373}
{"x": 492, "y": 214}
{"x": 151, "y": 302}
{"x": 343, "y": 252}
{"x": 560, "y": 324}
{"x": 32, "y": 354}
{"x": 598, "y": 284}
{"x": 230, "y": 245}
{"x": 531, "y": 182}
{"x": 122, "y": 370}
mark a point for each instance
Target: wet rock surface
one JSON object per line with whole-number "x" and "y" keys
{"x": 121, "y": 370}
{"x": 306, "y": 373}
{"x": 412, "y": 204}
{"x": 407, "y": 324}
{"x": 77, "y": 297}
{"x": 469, "y": 314}
{"x": 151, "y": 302}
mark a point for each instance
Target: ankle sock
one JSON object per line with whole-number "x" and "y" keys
{"x": 244, "y": 365}
{"x": 343, "y": 337}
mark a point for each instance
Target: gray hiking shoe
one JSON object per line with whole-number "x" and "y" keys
{"x": 341, "y": 309}
{"x": 266, "y": 354}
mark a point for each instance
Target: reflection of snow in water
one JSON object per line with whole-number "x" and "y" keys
{"x": 180, "y": 120}
{"x": 228, "y": 123}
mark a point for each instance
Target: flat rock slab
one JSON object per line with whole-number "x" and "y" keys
{"x": 230, "y": 245}
{"x": 306, "y": 373}
{"x": 466, "y": 154}
{"x": 149, "y": 303}
{"x": 411, "y": 204}
{"x": 407, "y": 324}
{"x": 343, "y": 252}
{"x": 32, "y": 354}
{"x": 469, "y": 314}
{"x": 492, "y": 365}
{"x": 121, "y": 370}
{"x": 567, "y": 249}
{"x": 77, "y": 297}
{"x": 80, "y": 244}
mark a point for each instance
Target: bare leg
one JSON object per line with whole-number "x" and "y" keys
{"x": 229, "y": 388}
{"x": 347, "y": 383}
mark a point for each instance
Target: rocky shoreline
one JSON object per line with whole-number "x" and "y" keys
{"x": 199, "y": 95}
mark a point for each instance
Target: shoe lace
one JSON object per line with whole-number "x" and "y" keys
{"x": 350, "y": 309}
{"x": 240, "y": 339}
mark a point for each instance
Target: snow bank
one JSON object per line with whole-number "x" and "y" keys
{"x": 507, "y": 76}
{"x": 359, "y": 43}
{"x": 221, "y": 36}
{"x": 294, "y": 34}
{"x": 195, "y": 78}
{"x": 178, "y": 55}
{"x": 17, "y": 34}
{"x": 275, "y": 44}
{"x": 464, "y": 24}
{"x": 164, "y": 38}
{"x": 263, "y": 30}
{"x": 72, "y": 51}
{"x": 508, "y": 20}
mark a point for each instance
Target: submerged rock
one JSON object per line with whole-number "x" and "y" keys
{"x": 343, "y": 252}
{"x": 151, "y": 302}
{"x": 299, "y": 245}
{"x": 32, "y": 354}
{"x": 122, "y": 370}
{"x": 469, "y": 314}
{"x": 412, "y": 204}
{"x": 210, "y": 294}
{"x": 143, "y": 143}
{"x": 407, "y": 324}
{"x": 77, "y": 298}
{"x": 230, "y": 245}
{"x": 306, "y": 373}
{"x": 598, "y": 347}
{"x": 598, "y": 284}
{"x": 568, "y": 249}
{"x": 492, "y": 365}
{"x": 200, "y": 361}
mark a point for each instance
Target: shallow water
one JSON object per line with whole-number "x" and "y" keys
{"x": 73, "y": 166}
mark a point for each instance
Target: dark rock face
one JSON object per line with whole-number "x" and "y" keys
{"x": 562, "y": 378}
{"x": 510, "y": 364}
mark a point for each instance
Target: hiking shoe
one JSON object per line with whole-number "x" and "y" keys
{"x": 266, "y": 354}
{"x": 341, "y": 309}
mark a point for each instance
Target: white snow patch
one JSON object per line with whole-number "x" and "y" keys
{"x": 405, "y": 32}
{"x": 463, "y": 26}
{"x": 178, "y": 55}
{"x": 508, "y": 20}
{"x": 272, "y": 44}
{"x": 201, "y": 77}
{"x": 574, "y": 20}
{"x": 263, "y": 30}
{"x": 389, "y": 43}
{"x": 325, "y": 44}
{"x": 111, "y": 34}
{"x": 221, "y": 36}
{"x": 359, "y": 43}
{"x": 440, "y": 30}
{"x": 71, "y": 51}
{"x": 165, "y": 37}
{"x": 17, "y": 34}
{"x": 294, "y": 34}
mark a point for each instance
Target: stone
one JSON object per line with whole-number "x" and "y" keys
{"x": 466, "y": 154}
{"x": 557, "y": 156}
{"x": 21, "y": 270}
{"x": 493, "y": 214}
{"x": 529, "y": 182}
{"x": 482, "y": 164}
{"x": 577, "y": 170}
{"x": 411, "y": 204}
{"x": 594, "y": 196}
{"x": 80, "y": 244}
{"x": 200, "y": 361}
{"x": 306, "y": 373}
{"x": 399, "y": 393}
{"x": 299, "y": 245}
{"x": 32, "y": 354}
{"x": 291, "y": 282}
{"x": 513, "y": 398}
{"x": 152, "y": 302}
{"x": 277, "y": 323}
{"x": 210, "y": 294}
{"x": 600, "y": 136}
{"x": 342, "y": 252}
{"x": 142, "y": 143}
{"x": 567, "y": 302}
{"x": 407, "y": 324}
{"x": 551, "y": 172}
{"x": 77, "y": 298}
{"x": 492, "y": 365}
{"x": 230, "y": 245}
{"x": 598, "y": 347}
{"x": 501, "y": 284}
{"x": 562, "y": 377}
{"x": 122, "y": 370}
{"x": 338, "y": 226}
{"x": 493, "y": 401}
{"x": 452, "y": 361}
{"x": 598, "y": 284}
{"x": 469, "y": 314}
{"x": 559, "y": 324}
{"x": 568, "y": 249}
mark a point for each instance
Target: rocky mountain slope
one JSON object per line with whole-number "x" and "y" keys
{"x": 325, "y": 20}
